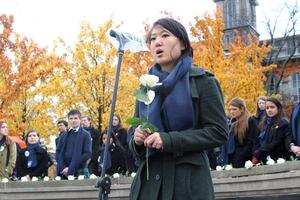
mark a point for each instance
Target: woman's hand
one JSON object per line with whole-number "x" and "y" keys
{"x": 153, "y": 141}
{"x": 139, "y": 136}
{"x": 296, "y": 150}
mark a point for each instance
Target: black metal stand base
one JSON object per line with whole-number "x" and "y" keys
{"x": 104, "y": 184}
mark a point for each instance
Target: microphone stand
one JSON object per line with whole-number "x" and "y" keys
{"x": 104, "y": 182}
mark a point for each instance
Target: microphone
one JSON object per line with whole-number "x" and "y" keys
{"x": 129, "y": 41}
{"x": 113, "y": 33}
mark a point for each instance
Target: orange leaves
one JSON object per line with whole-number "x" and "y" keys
{"x": 239, "y": 70}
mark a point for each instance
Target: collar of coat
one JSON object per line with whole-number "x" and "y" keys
{"x": 198, "y": 71}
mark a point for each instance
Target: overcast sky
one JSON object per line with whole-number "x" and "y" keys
{"x": 45, "y": 20}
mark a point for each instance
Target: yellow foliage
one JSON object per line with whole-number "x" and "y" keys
{"x": 240, "y": 73}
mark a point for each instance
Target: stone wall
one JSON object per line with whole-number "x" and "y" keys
{"x": 276, "y": 182}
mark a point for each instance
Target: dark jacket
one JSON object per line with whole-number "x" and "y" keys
{"x": 40, "y": 170}
{"x": 181, "y": 170}
{"x": 82, "y": 152}
{"x": 243, "y": 152}
{"x": 276, "y": 143}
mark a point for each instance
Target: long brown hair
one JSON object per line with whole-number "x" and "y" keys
{"x": 240, "y": 126}
{"x": 7, "y": 140}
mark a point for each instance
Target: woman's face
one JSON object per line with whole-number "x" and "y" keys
{"x": 235, "y": 112}
{"x": 271, "y": 109}
{"x": 4, "y": 129}
{"x": 116, "y": 121}
{"x": 104, "y": 139}
{"x": 33, "y": 138}
{"x": 261, "y": 104}
{"x": 165, "y": 47}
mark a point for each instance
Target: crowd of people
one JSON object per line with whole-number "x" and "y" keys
{"x": 268, "y": 134}
{"x": 193, "y": 132}
{"x": 79, "y": 151}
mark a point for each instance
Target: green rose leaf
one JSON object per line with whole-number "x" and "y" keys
{"x": 141, "y": 96}
{"x": 134, "y": 121}
{"x": 147, "y": 125}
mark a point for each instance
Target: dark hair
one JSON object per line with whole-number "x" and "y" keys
{"x": 277, "y": 118}
{"x": 62, "y": 121}
{"x": 27, "y": 134}
{"x": 105, "y": 133}
{"x": 74, "y": 112}
{"x": 177, "y": 29}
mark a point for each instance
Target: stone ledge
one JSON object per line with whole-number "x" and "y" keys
{"x": 280, "y": 182}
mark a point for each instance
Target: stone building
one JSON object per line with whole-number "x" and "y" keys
{"x": 239, "y": 17}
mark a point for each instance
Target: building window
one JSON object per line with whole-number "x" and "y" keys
{"x": 231, "y": 13}
{"x": 296, "y": 86}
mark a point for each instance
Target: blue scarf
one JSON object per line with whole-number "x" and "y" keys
{"x": 263, "y": 137}
{"x": 32, "y": 160}
{"x": 1, "y": 142}
{"x": 295, "y": 124}
{"x": 229, "y": 146}
{"x": 172, "y": 108}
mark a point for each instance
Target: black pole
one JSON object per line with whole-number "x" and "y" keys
{"x": 103, "y": 182}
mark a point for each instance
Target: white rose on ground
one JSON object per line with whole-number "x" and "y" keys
{"x": 219, "y": 168}
{"x": 80, "y": 177}
{"x": 4, "y": 180}
{"x": 280, "y": 161}
{"x": 71, "y": 178}
{"x": 93, "y": 176}
{"x": 58, "y": 178}
{"x": 149, "y": 81}
{"x": 46, "y": 178}
{"x": 270, "y": 161}
{"x": 132, "y": 174}
{"x": 228, "y": 167}
{"x": 24, "y": 179}
{"x": 248, "y": 164}
{"x": 33, "y": 179}
{"x": 116, "y": 175}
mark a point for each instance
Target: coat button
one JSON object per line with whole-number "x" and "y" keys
{"x": 157, "y": 177}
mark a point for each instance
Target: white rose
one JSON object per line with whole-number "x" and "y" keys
{"x": 132, "y": 174}
{"x": 228, "y": 167}
{"x": 270, "y": 161}
{"x": 58, "y": 178}
{"x": 151, "y": 96}
{"x": 280, "y": 161}
{"x": 33, "y": 179}
{"x": 4, "y": 180}
{"x": 46, "y": 178}
{"x": 93, "y": 176}
{"x": 80, "y": 177}
{"x": 71, "y": 178}
{"x": 248, "y": 164}
{"x": 24, "y": 179}
{"x": 116, "y": 175}
{"x": 149, "y": 81}
{"x": 219, "y": 168}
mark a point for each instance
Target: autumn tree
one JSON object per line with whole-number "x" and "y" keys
{"x": 87, "y": 82}
{"x": 239, "y": 72}
{"x": 24, "y": 67}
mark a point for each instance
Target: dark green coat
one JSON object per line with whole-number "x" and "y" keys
{"x": 181, "y": 170}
